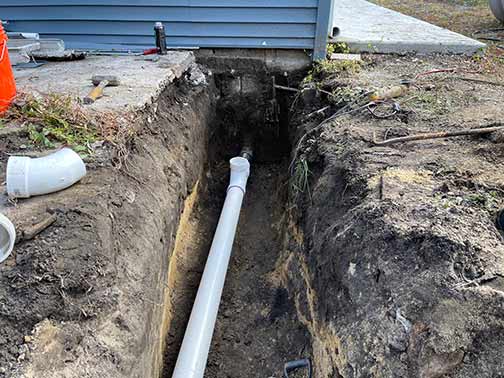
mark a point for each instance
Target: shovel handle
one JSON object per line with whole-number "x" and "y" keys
{"x": 96, "y": 93}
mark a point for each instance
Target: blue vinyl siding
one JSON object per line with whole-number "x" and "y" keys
{"x": 128, "y": 24}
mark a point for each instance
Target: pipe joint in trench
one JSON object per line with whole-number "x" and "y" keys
{"x": 240, "y": 171}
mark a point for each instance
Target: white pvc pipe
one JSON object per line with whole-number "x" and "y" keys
{"x": 7, "y": 237}
{"x": 28, "y": 177}
{"x": 193, "y": 354}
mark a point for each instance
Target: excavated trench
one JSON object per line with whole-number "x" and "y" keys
{"x": 374, "y": 270}
{"x": 121, "y": 300}
{"x": 354, "y": 274}
{"x": 257, "y": 329}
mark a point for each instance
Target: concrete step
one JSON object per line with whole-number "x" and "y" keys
{"x": 367, "y": 27}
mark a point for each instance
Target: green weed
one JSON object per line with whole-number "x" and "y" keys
{"x": 54, "y": 118}
{"x": 337, "y": 48}
{"x": 325, "y": 68}
{"x": 345, "y": 95}
{"x": 300, "y": 180}
{"x": 40, "y": 137}
{"x": 486, "y": 200}
{"x": 431, "y": 102}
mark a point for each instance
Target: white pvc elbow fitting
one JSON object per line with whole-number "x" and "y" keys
{"x": 7, "y": 237}
{"x": 28, "y": 177}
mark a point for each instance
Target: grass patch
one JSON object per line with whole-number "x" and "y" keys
{"x": 337, "y": 48}
{"x": 462, "y": 16}
{"x": 325, "y": 68}
{"x": 60, "y": 119}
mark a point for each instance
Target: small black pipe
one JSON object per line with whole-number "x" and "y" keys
{"x": 247, "y": 150}
{"x": 160, "y": 33}
{"x": 247, "y": 153}
{"x": 499, "y": 221}
{"x": 296, "y": 365}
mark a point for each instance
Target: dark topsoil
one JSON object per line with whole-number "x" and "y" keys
{"x": 402, "y": 266}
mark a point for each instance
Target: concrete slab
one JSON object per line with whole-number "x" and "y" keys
{"x": 367, "y": 27}
{"x": 50, "y": 47}
{"x": 21, "y": 49}
{"x": 276, "y": 60}
{"x": 141, "y": 80}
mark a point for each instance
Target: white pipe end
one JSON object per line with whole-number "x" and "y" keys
{"x": 28, "y": 177}
{"x": 17, "y": 176}
{"x": 7, "y": 237}
{"x": 240, "y": 171}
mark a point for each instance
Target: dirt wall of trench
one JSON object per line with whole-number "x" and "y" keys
{"x": 393, "y": 257}
{"x": 86, "y": 297}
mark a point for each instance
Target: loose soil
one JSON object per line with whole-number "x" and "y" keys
{"x": 403, "y": 267}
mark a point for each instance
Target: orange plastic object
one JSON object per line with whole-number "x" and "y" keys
{"x": 7, "y": 82}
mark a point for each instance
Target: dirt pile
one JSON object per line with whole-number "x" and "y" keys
{"x": 395, "y": 263}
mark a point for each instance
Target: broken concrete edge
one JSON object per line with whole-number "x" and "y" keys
{"x": 131, "y": 97}
{"x": 137, "y": 115}
{"x": 402, "y": 48}
{"x": 172, "y": 74}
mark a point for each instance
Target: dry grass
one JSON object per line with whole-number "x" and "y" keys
{"x": 462, "y": 16}
{"x": 300, "y": 180}
{"x": 54, "y": 118}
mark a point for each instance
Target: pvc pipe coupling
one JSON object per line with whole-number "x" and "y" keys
{"x": 28, "y": 177}
{"x": 240, "y": 171}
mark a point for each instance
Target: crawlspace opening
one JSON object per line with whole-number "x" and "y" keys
{"x": 257, "y": 330}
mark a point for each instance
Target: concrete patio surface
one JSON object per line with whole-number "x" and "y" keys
{"x": 367, "y": 27}
{"x": 142, "y": 80}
